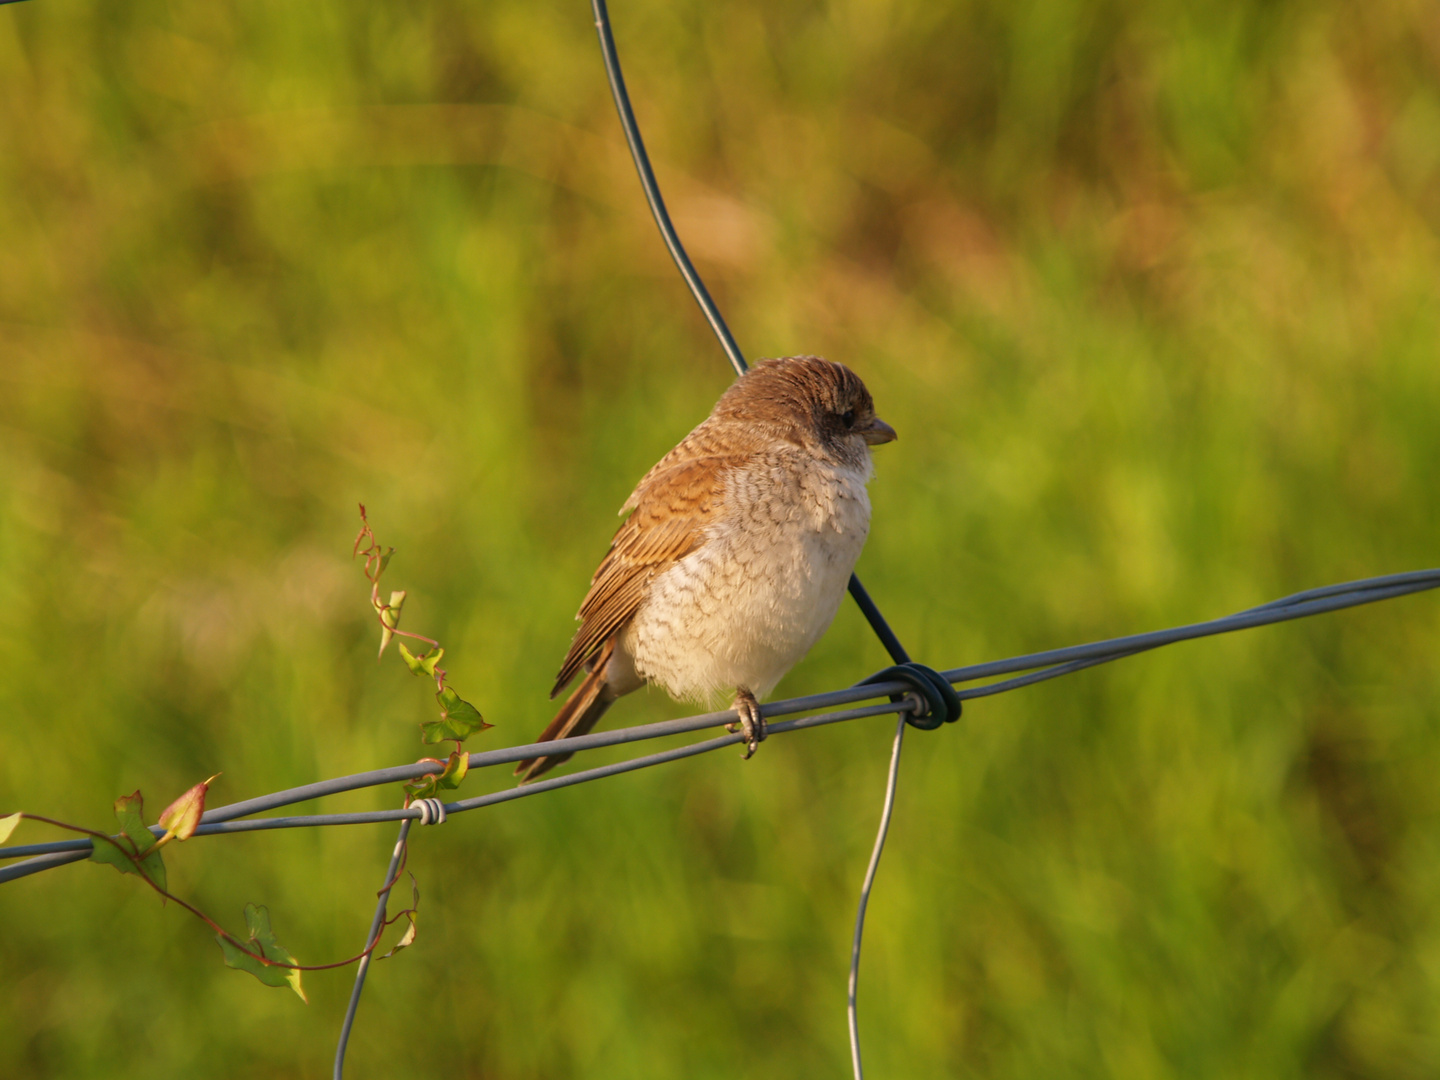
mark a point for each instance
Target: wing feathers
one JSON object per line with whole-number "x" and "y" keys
{"x": 673, "y": 506}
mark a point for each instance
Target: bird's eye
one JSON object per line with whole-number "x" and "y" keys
{"x": 849, "y": 417}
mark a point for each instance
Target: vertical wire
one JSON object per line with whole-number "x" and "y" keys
{"x": 692, "y": 278}
{"x": 851, "y": 1011}
{"x": 652, "y": 191}
{"x": 375, "y": 926}
{"x": 877, "y": 622}
{"x": 732, "y": 352}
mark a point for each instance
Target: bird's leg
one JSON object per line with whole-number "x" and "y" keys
{"x": 750, "y": 722}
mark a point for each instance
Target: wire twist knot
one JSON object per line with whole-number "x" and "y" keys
{"x": 941, "y": 704}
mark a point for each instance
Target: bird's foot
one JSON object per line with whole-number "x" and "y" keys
{"x": 750, "y": 722}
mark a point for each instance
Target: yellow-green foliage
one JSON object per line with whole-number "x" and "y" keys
{"x": 1149, "y": 290}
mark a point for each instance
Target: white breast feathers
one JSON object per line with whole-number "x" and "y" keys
{"x": 745, "y": 606}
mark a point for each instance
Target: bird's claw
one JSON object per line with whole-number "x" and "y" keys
{"x": 751, "y": 722}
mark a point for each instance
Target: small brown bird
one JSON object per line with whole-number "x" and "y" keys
{"x": 736, "y": 553}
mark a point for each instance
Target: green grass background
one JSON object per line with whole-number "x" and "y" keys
{"x": 1149, "y": 290}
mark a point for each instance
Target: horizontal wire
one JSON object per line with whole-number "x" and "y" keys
{"x": 505, "y": 756}
{"x": 1300, "y": 605}
{"x": 1038, "y": 667}
{"x": 67, "y": 851}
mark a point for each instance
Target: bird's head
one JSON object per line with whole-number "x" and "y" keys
{"x": 816, "y": 403}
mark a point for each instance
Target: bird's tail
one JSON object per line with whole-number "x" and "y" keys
{"x": 577, "y": 716}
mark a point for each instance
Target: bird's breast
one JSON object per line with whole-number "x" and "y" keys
{"x": 750, "y": 601}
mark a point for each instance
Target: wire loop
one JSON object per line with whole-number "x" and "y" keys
{"x": 942, "y": 703}
{"x": 432, "y": 811}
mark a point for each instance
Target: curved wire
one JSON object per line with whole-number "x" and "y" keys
{"x": 732, "y": 352}
{"x": 652, "y": 191}
{"x": 851, "y": 1012}
{"x": 376, "y": 924}
{"x": 692, "y": 277}
{"x": 1040, "y": 666}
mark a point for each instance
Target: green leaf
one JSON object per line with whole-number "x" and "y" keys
{"x": 115, "y": 851}
{"x": 405, "y": 941}
{"x": 456, "y": 766}
{"x": 182, "y": 816}
{"x": 424, "y": 663}
{"x": 408, "y": 938}
{"x": 133, "y": 842}
{"x": 458, "y": 719}
{"x": 423, "y": 788}
{"x": 7, "y": 825}
{"x": 118, "y": 851}
{"x": 389, "y": 616}
{"x": 130, "y": 810}
{"x": 262, "y": 940}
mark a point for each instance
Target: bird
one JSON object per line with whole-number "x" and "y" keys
{"x": 734, "y": 554}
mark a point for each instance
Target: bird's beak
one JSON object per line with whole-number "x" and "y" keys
{"x": 877, "y": 432}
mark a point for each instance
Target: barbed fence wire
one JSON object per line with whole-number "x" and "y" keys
{"x": 907, "y": 690}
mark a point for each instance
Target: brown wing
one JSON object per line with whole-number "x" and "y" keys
{"x": 707, "y": 442}
{"x": 673, "y": 506}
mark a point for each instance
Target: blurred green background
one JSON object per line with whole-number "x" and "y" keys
{"x": 1151, "y": 291}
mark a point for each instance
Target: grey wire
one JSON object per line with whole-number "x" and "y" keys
{"x": 651, "y": 187}
{"x": 1311, "y": 601}
{"x": 1050, "y": 664}
{"x": 69, "y": 851}
{"x": 1040, "y": 666}
{"x": 375, "y": 924}
{"x": 692, "y": 277}
{"x": 1060, "y": 662}
{"x": 505, "y": 756}
{"x": 652, "y": 190}
{"x": 889, "y": 806}
{"x": 1299, "y": 605}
